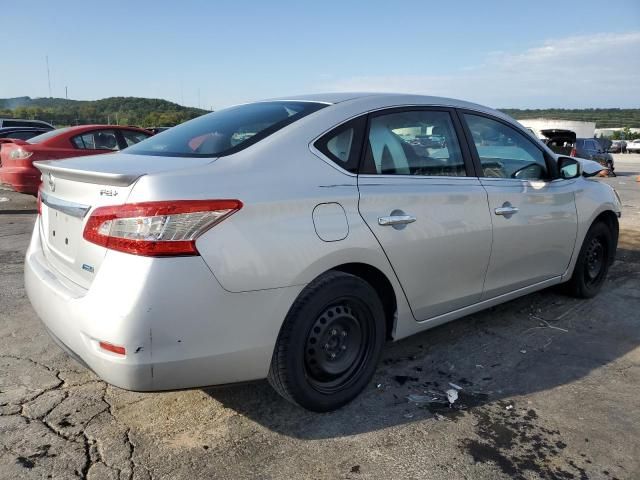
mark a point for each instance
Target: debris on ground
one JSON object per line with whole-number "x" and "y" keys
{"x": 453, "y": 385}
{"x": 452, "y": 395}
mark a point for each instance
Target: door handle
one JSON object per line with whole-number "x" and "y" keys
{"x": 506, "y": 211}
{"x": 392, "y": 220}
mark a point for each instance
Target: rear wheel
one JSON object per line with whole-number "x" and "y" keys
{"x": 330, "y": 343}
{"x": 593, "y": 262}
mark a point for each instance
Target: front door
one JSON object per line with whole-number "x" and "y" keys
{"x": 421, "y": 200}
{"x": 533, "y": 215}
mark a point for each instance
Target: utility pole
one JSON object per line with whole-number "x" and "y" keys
{"x": 48, "y": 75}
{"x": 66, "y": 93}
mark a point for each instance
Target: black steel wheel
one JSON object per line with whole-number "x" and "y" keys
{"x": 593, "y": 262}
{"x": 329, "y": 344}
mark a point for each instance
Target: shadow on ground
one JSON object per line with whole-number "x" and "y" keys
{"x": 531, "y": 344}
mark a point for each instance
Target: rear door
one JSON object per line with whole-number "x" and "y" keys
{"x": 422, "y": 201}
{"x": 533, "y": 214}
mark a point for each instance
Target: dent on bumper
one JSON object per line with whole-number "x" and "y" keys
{"x": 179, "y": 327}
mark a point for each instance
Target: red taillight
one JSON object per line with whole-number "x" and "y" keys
{"x": 574, "y": 152}
{"x": 109, "y": 347}
{"x": 156, "y": 229}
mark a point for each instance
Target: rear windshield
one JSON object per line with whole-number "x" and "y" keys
{"x": 226, "y": 131}
{"x": 47, "y": 135}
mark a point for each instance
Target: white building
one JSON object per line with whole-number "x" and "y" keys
{"x": 582, "y": 129}
{"x": 608, "y": 132}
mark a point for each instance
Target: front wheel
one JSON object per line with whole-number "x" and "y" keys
{"x": 593, "y": 262}
{"x": 329, "y": 344}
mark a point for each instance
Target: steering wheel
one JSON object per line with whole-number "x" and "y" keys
{"x": 531, "y": 170}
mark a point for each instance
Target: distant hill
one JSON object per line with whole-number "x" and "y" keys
{"x": 145, "y": 112}
{"x": 604, "y": 117}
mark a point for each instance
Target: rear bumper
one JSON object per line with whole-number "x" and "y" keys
{"x": 179, "y": 327}
{"x": 21, "y": 179}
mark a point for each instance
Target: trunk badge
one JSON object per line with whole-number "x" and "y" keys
{"x": 108, "y": 193}
{"x": 88, "y": 268}
{"x": 52, "y": 183}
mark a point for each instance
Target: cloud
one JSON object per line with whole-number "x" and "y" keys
{"x": 600, "y": 70}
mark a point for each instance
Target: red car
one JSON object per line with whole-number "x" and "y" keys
{"x": 17, "y": 156}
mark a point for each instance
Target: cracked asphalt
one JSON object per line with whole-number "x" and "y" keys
{"x": 548, "y": 389}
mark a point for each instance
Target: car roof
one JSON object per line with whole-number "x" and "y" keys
{"x": 400, "y": 98}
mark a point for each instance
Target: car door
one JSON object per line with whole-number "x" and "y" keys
{"x": 421, "y": 199}
{"x": 533, "y": 213}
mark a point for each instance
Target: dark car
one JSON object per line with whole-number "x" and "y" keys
{"x": 591, "y": 149}
{"x": 562, "y": 142}
{"x": 22, "y": 133}
{"x": 618, "y": 146}
{"x": 23, "y": 122}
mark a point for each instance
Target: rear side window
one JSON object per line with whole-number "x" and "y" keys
{"x": 421, "y": 142}
{"x": 226, "y": 131}
{"x": 96, "y": 140}
{"x": 343, "y": 144}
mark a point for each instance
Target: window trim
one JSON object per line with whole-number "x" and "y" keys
{"x": 464, "y": 148}
{"x": 551, "y": 164}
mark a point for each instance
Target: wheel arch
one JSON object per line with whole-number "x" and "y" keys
{"x": 383, "y": 287}
{"x": 610, "y": 218}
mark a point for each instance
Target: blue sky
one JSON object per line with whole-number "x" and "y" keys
{"x": 500, "y": 53}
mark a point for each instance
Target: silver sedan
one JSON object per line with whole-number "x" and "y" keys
{"x": 290, "y": 239}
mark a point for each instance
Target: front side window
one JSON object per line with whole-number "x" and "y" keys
{"x": 96, "y": 140}
{"x": 132, "y": 136}
{"x": 504, "y": 152}
{"x": 226, "y": 131}
{"x": 417, "y": 142}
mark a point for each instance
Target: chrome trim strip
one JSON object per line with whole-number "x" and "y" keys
{"x": 76, "y": 210}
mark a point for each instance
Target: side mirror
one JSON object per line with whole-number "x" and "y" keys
{"x": 569, "y": 168}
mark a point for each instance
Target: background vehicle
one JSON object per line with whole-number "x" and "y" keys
{"x": 289, "y": 239}
{"x": 22, "y": 133}
{"x": 591, "y": 149}
{"x": 633, "y": 146}
{"x": 21, "y": 122}
{"x": 561, "y": 142}
{"x": 618, "y": 146}
{"x": 17, "y": 156}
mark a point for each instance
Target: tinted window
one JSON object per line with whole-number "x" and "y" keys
{"x": 413, "y": 143}
{"x": 47, "y": 135}
{"x": 343, "y": 144}
{"x": 132, "y": 137}
{"x": 226, "y": 131}
{"x": 96, "y": 140}
{"x": 22, "y": 134}
{"x": 504, "y": 152}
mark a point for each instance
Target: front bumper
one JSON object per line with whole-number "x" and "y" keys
{"x": 180, "y": 328}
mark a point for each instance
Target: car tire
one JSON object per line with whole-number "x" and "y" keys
{"x": 593, "y": 262}
{"x": 330, "y": 343}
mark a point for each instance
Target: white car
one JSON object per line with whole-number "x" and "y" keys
{"x": 290, "y": 239}
{"x": 633, "y": 146}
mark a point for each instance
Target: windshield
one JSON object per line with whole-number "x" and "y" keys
{"x": 226, "y": 131}
{"x": 47, "y": 135}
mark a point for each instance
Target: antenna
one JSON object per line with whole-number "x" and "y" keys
{"x": 48, "y": 75}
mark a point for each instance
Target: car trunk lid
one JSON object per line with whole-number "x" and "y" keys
{"x": 72, "y": 188}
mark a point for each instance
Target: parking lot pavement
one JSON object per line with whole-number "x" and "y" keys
{"x": 549, "y": 389}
